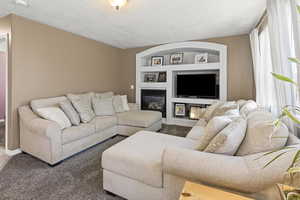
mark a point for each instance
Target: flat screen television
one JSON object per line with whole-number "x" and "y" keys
{"x": 197, "y": 86}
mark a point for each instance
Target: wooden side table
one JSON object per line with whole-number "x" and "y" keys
{"x": 194, "y": 191}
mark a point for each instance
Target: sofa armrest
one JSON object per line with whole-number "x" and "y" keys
{"x": 38, "y": 125}
{"x": 245, "y": 174}
{"x": 134, "y": 106}
{"x": 39, "y": 137}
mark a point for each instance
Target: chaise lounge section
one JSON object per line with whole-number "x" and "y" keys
{"x": 154, "y": 166}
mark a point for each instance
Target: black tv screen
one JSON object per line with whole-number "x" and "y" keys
{"x": 197, "y": 85}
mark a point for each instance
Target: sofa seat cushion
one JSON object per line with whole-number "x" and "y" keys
{"x": 139, "y": 157}
{"x": 77, "y": 132}
{"x": 104, "y": 122}
{"x": 139, "y": 118}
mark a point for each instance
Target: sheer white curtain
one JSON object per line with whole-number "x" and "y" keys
{"x": 262, "y": 63}
{"x": 282, "y": 47}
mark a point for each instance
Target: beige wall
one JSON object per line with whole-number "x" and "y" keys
{"x": 48, "y": 62}
{"x": 240, "y": 74}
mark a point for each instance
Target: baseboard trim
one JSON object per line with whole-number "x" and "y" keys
{"x": 13, "y": 152}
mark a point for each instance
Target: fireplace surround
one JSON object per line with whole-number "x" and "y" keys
{"x": 154, "y": 100}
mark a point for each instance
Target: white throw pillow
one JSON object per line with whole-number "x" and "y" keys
{"x": 55, "y": 114}
{"x": 229, "y": 139}
{"x": 120, "y": 103}
{"x": 83, "y": 105}
{"x": 213, "y": 127}
{"x": 248, "y": 107}
{"x": 103, "y": 106}
{"x": 262, "y": 135}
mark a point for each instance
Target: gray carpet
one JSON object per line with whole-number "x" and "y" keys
{"x": 79, "y": 177}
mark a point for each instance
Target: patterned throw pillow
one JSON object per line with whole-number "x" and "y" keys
{"x": 213, "y": 127}
{"x": 229, "y": 139}
{"x": 225, "y": 107}
{"x": 211, "y": 109}
{"x": 83, "y": 105}
{"x": 71, "y": 113}
{"x": 54, "y": 114}
{"x": 262, "y": 135}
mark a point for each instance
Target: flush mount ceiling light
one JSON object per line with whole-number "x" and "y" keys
{"x": 117, "y": 4}
{"x": 22, "y": 3}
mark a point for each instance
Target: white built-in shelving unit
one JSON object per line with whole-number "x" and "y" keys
{"x": 217, "y": 62}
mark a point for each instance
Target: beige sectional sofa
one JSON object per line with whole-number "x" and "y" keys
{"x": 154, "y": 166}
{"x": 45, "y": 140}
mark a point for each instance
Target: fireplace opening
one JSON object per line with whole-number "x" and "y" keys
{"x": 154, "y": 100}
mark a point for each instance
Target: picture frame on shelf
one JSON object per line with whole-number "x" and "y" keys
{"x": 195, "y": 112}
{"x": 150, "y": 77}
{"x": 162, "y": 77}
{"x": 157, "y": 61}
{"x": 201, "y": 58}
{"x": 180, "y": 110}
{"x": 176, "y": 58}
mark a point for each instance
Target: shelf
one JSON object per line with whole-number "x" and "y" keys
{"x": 193, "y": 101}
{"x": 153, "y": 69}
{"x": 181, "y": 67}
{"x": 217, "y": 63}
{"x": 182, "y": 122}
{"x": 153, "y": 85}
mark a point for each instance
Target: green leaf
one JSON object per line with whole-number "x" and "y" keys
{"x": 298, "y": 8}
{"x": 277, "y": 122}
{"x": 294, "y": 170}
{"x": 290, "y": 115}
{"x": 279, "y": 137}
{"x": 296, "y": 158}
{"x": 275, "y": 158}
{"x": 294, "y": 60}
{"x": 283, "y": 78}
{"x": 268, "y": 153}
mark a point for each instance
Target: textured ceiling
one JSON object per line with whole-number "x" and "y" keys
{"x": 144, "y": 22}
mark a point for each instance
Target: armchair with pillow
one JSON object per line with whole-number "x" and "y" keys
{"x": 53, "y": 129}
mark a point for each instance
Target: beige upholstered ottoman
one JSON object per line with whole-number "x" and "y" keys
{"x": 133, "y": 168}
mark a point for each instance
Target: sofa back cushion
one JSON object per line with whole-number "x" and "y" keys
{"x": 229, "y": 139}
{"x": 213, "y": 127}
{"x": 70, "y": 112}
{"x": 83, "y": 105}
{"x": 47, "y": 102}
{"x": 262, "y": 135}
{"x": 55, "y": 114}
{"x": 104, "y": 95}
